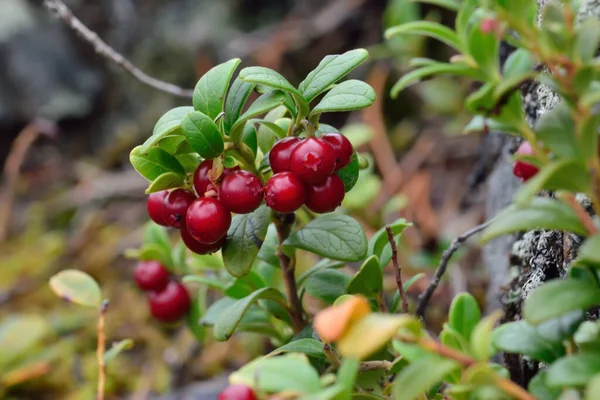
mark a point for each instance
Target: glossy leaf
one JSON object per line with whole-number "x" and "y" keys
{"x": 169, "y": 123}
{"x": 522, "y": 338}
{"x": 421, "y": 375}
{"x": 589, "y": 252}
{"x": 327, "y": 284}
{"x": 588, "y": 38}
{"x": 346, "y": 96}
{"x": 539, "y": 388}
{"x": 202, "y": 134}
{"x": 236, "y": 99}
{"x": 310, "y": 347}
{"x": 483, "y": 47}
{"x": 209, "y": 93}
{"x": 518, "y": 63}
{"x": 481, "y": 337}
{"x": 558, "y": 297}
{"x": 322, "y": 264}
{"x": 77, "y": 287}
{"x": 267, "y": 77}
{"x": 154, "y": 233}
{"x": 540, "y": 213}
{"x": 244, "y": 239}
{"x": 168, "y": 180}
{"x": 349, "y": 174}
{"x": 575, "y": 370}
{"x": 227, "y": 322}
{"x": 368, "y": 280}
{"x": 556, "y": 129}
{"x": 216, "y": 310}
{"x": 338, "y": 237}
{"x": 464, "y": 314}
{"x": 418, "y": 74}
{"x": 427, "y": 28}
{"x": 263, "y": 104}
{"x": 154, "y": 162}
{"x": 379, "y": 244}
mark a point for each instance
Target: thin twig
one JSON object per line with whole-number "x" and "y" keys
{"x": 397, "y": 268}
{"x": 583, "y": 216}
{"x": 441, "y": 269}
{"x": 12, "y": 166}
{"x": 375, "y": 365}
{"x": 101, "y": 347}
{"x": 283, "y": 224}
{"x": 103, "y": 49}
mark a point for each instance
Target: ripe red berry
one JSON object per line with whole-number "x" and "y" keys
{"x": 342, "y": 148}
{"x": 326, "y": 197}
{"x": 176, "y": 206}
{"x": 201, "y": 181}
{"x": 171, "y": 303}
{"x": 241, "y": 192}
{"x": 237, "y": 392}
{"x": 151, "y": 275}
{"x": 279, "y": 156}
{"x": 156, "y": 207}
{"x": 208, "y": 220}
{"x": 196, "y": 246}
{"x": 521, "y": 169}
{"x": 285, "y": 193}
{"x": 313, "y": 160}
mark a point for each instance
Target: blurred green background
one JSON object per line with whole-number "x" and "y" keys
{"x": 70, "y": 199}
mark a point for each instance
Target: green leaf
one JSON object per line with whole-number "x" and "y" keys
{"x": 169, "y": 123}
{"x": 349, "y": 174}
{"x": 154, "y": 233}
{"x": 216, "y": 310}
{"x": 346, "y": 96}
{"x": 76, "y": 287}
{"x": 379, "y": 244}
{"x": 154, "y": 163}
{"x": 524, "y": 10}
{"x": 153, "y": 251}
{"x": 521, "y": 338}
{"x": 587, "y": 336}
{"x": 245, "y": 285}
{"x": 189, "y": 161}
{"x": 483, "y": 47}
{"x": 421, "y": 375}
{"x": 593, "y": 388}
{"x": 268, "y": 251}
{"x": 589, "y": 252}
{"x": 19, "y": 334}
{"x": 556, "y": 129}
{"x": 418, "y": 74}
{"x": 540, "y": 213}
{"x": 267, "y": 77}
{"x": 212, "y": 283}
{"x": 464, "y": 314}
{"x": 175, "y": 144}
{"x": 330, "y": 70}
{"x": 236, "y": 99}
{"x": 368, "y": 280}
{"x": 322, "y": 264}
{"x": 539, "y": 388}
{"x": 227, "y": 321}
{"x": 511, "y": 85}
{"x": 202, "y": 134}
{"x": 117, "y": 348}
{"x": 263, "y": 104}
{"x": 250, "y": 138}
{"x": 518, "y": 63}
{"x": 571, "y": 175}
{"x": 588, "y": 38}
{"x": 449, "y": 4}
{"x": 197, "y": 310}
{"x": 426, "y": 28}
{"x": 406, "y": 285}
{"x": 168, "y": 180}
{"x": 575, "y": 370}
{"x": 347, "y": 373}
{"x": 481, "y": 337}
{"x": 310, "y": 347}
{"x": 244, "y": 239}
{"x": 327, "y": 284}
{"x": 558, "y": 297}
{"x": 209, "y": 93}
{"x": 338, "y": 237}
{"x": 289, "y": 373}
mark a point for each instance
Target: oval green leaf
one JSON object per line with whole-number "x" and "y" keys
{"x": 346, "y": 96}
{"x": 202, "y": 134}
{"x": 236, "y": 99}
{"x": 76, "y": 287}
{"x": 426, "y": 28}
{"x": 338, "y": 237}
{"x": 464, "y": 314}
{"x": 310, "y": 347}
{"x": 349, "y": 174}
{"x": 168, "y": 180}
{"x": 368, "y": 280}
{"x": 416, "y": 379}
{"x": 154, "y": 162}
{"x": 209, "y": 93}
{"x": 418, "y": 74}
{"x": 263, "y": 104}
{"x": 169, "y": 123}
{"x": 575, "y": 370}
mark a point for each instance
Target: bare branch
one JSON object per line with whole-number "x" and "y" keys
{"x": 397, "y": 269}
{"x": 58, "y": 8}
{"x": 441, "y": 269}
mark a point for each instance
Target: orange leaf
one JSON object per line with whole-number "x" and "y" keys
{"x": 332, "y": 322}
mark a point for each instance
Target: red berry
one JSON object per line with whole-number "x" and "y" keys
{"x": 156, "y": 207}
{"x": 241, "y": 192}
{"x": 488, "y": 25}
{"x": 326, "y": 197}
{"x": 285, "y": 193}
{"x": 279, "y": 156}
{"x": 196, "y": 246}
{"x": 521, "y": 169}
{"x": 237, "y": 392}
{"x": 208, "y": 220}
{"x": 201, "y": 181}
{"x": 342, "y": 148}
{"x": 151, "y": 275}
{"x": 313, "y": 160}
{"x": 171, "y": 303}
{"x": 176, "y": 205}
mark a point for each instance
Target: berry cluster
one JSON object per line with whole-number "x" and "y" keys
{"x": 205, "y": 219}
{"x": 169, "y": 300}
{"x": 304, "y": 173}
{"x": 521, "y": 169}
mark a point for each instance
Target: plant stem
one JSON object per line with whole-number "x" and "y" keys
{"x": 397, "y": 269}
{"x": 331, "y": 356}
{"x": 100, "y": 348}
{"x": 309, "y": 128}
{"x": 583, "y": 216}
{"x": 375, "y": 365}
{"x": 283, "y": 224}
{"x": 441, "y": 269}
